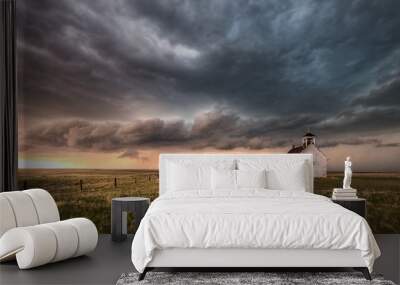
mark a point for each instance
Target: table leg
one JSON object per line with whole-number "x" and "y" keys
{"x": 116, "y": 222}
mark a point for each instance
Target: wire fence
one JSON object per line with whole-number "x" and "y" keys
{"x": 56, "y": 184}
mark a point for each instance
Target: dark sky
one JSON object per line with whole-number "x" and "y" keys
{"x": 130, "y": 77}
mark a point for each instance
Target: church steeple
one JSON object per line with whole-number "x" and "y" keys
{"x": 308, "y": 139}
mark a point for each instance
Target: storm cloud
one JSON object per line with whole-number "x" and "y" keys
{"x": 121, "y": 76}
{"x": 216, "y": 129}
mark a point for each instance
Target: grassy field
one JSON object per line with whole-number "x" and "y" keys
{"x": 382, "y": 191}
{"x": 88, "y": 193}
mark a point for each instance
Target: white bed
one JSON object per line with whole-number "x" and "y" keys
{"x": 273, "y": 226}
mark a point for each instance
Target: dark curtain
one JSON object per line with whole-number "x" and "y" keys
{"x": 8, "y": 119}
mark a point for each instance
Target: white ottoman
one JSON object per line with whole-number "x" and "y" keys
{"x": 33, "y": 243}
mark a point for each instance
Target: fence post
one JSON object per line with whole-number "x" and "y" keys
{"x": 81, "y": 184}
{"x": 25, "y": 185}
{"x": 115, "y": 182}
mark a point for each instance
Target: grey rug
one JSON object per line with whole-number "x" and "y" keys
{"x": 269, "y": 278}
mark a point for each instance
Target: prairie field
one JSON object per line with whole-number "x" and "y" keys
{"x": 88, "y": 192}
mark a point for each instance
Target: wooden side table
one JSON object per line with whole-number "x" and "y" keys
{"x": 357, "y": 205}
{"x": 119, "y": 213}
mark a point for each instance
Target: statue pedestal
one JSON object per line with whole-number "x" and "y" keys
{"x": 344, "y": 194}
{"x": 344, "y": 190}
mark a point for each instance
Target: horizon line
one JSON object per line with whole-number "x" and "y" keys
{"x": 156, "y": 169}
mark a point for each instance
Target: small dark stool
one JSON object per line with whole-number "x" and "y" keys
{"x": 119, "y": 213}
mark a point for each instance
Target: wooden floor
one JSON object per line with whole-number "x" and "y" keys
{"x": 110, "y": 260}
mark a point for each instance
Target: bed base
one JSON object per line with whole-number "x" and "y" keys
{"x": 363, "y": 270}
{"x": 250, "y": 259}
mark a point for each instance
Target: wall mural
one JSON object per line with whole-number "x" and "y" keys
{"x": 105, "y": 86}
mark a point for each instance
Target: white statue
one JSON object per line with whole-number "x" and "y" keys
{"x": 347, "y": 173}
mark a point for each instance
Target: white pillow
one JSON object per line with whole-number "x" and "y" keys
{"x": 282, "y": 174}
{"x": 223, "y": 179}
{"x": 251, "y": 178}
{"x": 188, "y": 177}
{"x": 193, "y": 174}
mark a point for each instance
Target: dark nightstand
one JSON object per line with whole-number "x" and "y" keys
{"x": 357, "y": 205}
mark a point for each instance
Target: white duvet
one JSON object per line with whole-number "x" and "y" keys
{"x": 251, "y": 219}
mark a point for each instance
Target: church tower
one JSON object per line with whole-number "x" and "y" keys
{"x": 308, "y": 139}
{"x": 320, "y": 162}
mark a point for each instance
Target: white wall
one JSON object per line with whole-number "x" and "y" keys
{"x": 320, "y": 161}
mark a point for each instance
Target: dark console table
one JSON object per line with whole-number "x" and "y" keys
{"x": 119, "y": 213}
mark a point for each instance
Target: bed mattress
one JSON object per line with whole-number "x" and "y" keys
{"x": 251, "y": 219}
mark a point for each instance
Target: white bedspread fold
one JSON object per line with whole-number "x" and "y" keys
{"x": 251, "y": 219}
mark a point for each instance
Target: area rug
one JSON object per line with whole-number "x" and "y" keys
{"x": 269, "y": 278}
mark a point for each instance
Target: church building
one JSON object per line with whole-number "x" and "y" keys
{"x": 309, "y": 146}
